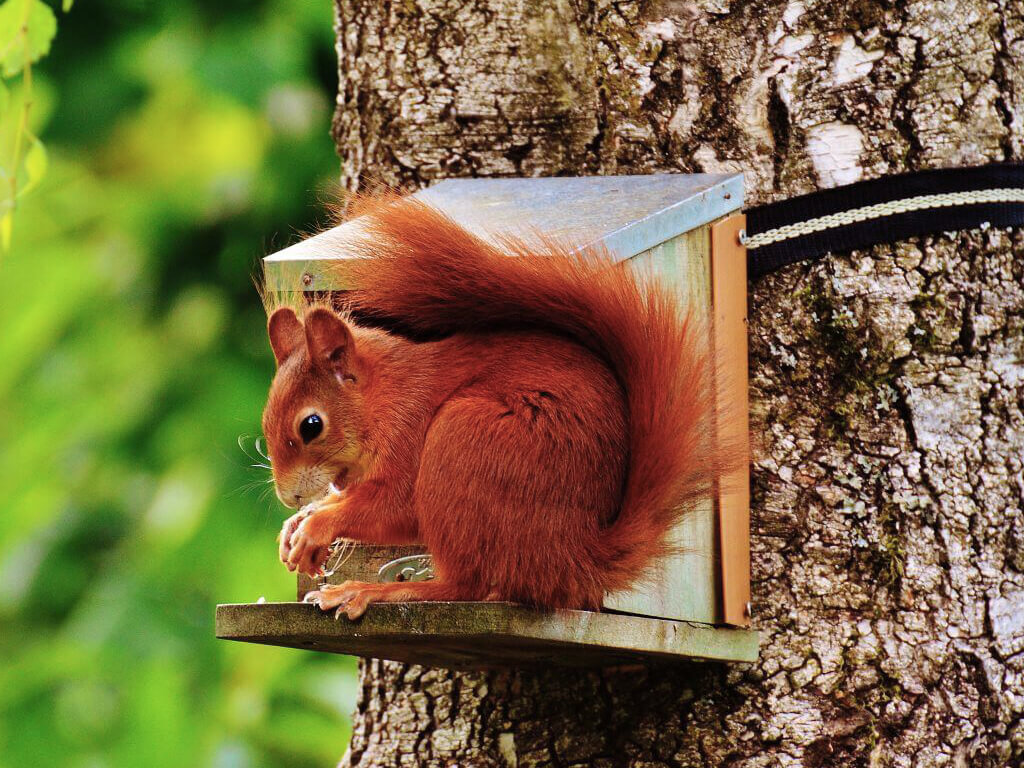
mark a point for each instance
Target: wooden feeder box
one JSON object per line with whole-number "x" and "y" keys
{"x": 684, "y": 229}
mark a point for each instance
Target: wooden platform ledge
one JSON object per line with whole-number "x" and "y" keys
{"x": 485, "y": 635}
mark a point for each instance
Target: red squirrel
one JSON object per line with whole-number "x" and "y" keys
{"x": 541, "y": 448}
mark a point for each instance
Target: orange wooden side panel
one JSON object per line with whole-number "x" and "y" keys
{"x": 729, "y": 303}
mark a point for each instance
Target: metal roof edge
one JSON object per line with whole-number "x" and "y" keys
{"x": 718, "y": 200}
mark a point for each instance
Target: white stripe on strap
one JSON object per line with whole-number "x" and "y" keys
{"x": 880, "y": 210}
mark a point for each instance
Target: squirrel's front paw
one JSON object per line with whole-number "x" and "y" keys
{"x": 289, "y": 527}
{"x": 309, "y": 543}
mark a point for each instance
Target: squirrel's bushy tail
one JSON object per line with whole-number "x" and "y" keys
{"x": 431, "y": 275}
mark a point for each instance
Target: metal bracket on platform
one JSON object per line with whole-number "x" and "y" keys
{"x": 411, "y": 568}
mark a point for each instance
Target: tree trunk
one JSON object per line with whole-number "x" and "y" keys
{"x": 887, "y": 385}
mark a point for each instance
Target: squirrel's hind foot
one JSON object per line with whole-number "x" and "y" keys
{"x": 352, "y": 598}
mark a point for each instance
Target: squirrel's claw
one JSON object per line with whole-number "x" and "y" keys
{"x": 350, "y": 598}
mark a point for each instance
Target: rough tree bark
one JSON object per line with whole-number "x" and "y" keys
{"x": 887, "y": 385}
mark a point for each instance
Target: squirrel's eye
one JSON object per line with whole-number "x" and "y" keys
{"x": 310, "y": 427}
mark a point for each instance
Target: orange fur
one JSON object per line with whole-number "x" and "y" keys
{"x": 541, "y": 450}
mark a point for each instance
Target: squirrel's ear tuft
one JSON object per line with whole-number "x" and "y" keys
{"x": 285, "y": 333}
{"x": 328, "y": 339}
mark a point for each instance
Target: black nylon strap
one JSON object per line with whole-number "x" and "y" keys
{"x": 897, "y": 226}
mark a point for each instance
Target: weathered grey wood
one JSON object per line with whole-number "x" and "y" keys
{"x": 886, "y": 386}
{"x": 485, "y": 635}
{"x": 685, "y": 584}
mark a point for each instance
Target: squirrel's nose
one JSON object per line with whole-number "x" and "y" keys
{"x": 298, "y": 499}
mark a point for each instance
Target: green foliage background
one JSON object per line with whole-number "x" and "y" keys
{"x": 185, "y": 140}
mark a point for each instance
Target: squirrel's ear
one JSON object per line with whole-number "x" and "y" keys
{"x": 328, "y": 339}
{"x": 285, "y": 333}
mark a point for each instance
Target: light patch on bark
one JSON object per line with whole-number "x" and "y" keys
{"x": 719, "y": 7}
{"x": 835, "y": 149}
{"x": 709, "y": 162}
{"x": 507, "y": 748}
{"x": 853, "y": 62}
{"x": 1007, "y": 616}
{"x": 792, "y": 13}
{"x": 790, "y": 45}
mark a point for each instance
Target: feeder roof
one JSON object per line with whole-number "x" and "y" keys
{"x": 627, "y": 214}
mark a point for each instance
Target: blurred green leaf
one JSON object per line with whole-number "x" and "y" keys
{"x": 35, "y": 165}
{"x": 27, "y": 27}
{"x": 183, "y": 140}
